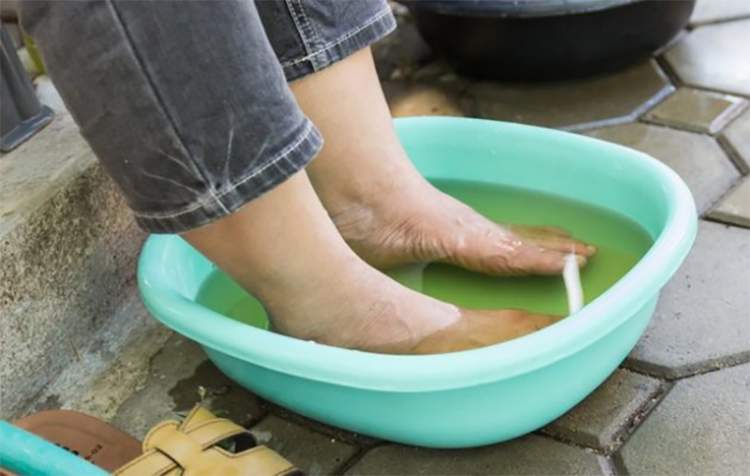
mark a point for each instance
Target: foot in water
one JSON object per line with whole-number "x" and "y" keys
{"x": 285, "y": 250}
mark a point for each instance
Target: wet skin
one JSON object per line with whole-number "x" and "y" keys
{"x": 311, "y": 249}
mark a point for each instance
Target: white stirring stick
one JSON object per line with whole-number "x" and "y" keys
{"x": 573, "y": 287}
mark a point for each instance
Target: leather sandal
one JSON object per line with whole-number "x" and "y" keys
{"x": 202, "y": 445}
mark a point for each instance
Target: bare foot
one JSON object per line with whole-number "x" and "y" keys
{"x": 381, "y": 205}
{"x": 482, "y": 328}
{"x": 415, "y": 222}
{"x": 364, "y": 309}
{"x": 284, "y": 249}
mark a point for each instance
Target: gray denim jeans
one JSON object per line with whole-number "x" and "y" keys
{"x": 186, "y": 103}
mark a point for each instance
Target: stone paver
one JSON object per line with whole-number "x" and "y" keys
{"x": 605, "y": 416}
{"x": 702, "y": 427}
{"x": 714, "y": 57}
{"x": 702, "y": 320}
{"x": 406, "y": 98}
{"x": 530, "y": 455}
{"x": 572, "y": 104}
{"x": 314, "y": 453}
{"x": 735, "y": 207}
{"x": 179, "y": 377}
{"x": 708, "y": 11}
{"x": 736, "y": 138}
{"x": 699, "y": 111}
{"x": 354, "y": 439}
{"x": 697, "y": 158}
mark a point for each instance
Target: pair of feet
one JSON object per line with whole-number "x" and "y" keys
{"x": 312, "y": 248}
{"x": 410, "y": 221}
{"x": 313, "y": 257}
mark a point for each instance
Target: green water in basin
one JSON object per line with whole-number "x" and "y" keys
{"x": 620, "y": 241}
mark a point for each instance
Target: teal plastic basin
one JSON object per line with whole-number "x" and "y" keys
{"x": 465, "y": 398}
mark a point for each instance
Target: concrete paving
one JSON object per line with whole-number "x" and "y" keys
{"x": 315, "y": 453}
{"x": 700, "y": 428}
{"x": 179, "y": 376}
{"x": 702, "y": 321}
{"x": 606, "y": 417}
{"x": 613, "y": 98}
{"x": 530, "y": 455}
{"x": 710, "y": 57}
{"x": 710, "y": 11}
{"x": 697, "y": 158}
{"x": 736, "y": 139}
{"x": 735, "y": 207}
{"x": 698, "y": 111}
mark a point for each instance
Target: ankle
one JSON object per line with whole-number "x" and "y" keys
{"x": 298, "y": 277}
{"x": 364, "y": 179}
{"x": 321, "y": 304}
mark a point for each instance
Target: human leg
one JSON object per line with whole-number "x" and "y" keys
{"x": 196, "y": 150}
{"x": 381, "y": 205}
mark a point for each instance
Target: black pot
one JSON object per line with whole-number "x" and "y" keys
{"x": 546, "y": 39}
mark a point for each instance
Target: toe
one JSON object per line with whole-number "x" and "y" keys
{"x": 539, "y": 231}
{"x": 527, "y": 259}
{"x": 566, "y": 245}
{"x": 538, "y": 260}
{"x": 553, "y": 238}
{"x": 545, "y": 261}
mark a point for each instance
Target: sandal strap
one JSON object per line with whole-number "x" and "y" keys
{"x": 210, "y": 432}
{"x": 258, "y": 461}
{"x": 190, "y": 447}
{"x": 151, "y": 463}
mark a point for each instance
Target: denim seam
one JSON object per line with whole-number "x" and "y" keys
{"x": 317, "y": 40}
{"x": 160, "y": 101}
{"x": 339, "y": 40}
{"x": 202, "y": 201}
{"x": 305, "y": 29}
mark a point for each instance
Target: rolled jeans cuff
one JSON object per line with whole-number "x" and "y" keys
{"x": 214, "y": 205}
{"x": 324, "y": 55}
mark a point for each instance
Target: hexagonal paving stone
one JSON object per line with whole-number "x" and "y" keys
{"x": 179, "y": 377}
{"x": 606, "y": 415}
{"x": 532, "y": 455}
{"x": 312, "y": 452}
{"x": 708, "y": 11}
{"x": 702, "y": 320}
{"x": 574, "y": 105}
{"x": 700, "y": 428}
{"x": 406, "y": 98}
{"x": 714, "y": 57}
{"x": 697, "y": 158}
{"x": 695, "y": 110}
{"x": 736, "y": 137}
{"x": 735, "y": 207}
